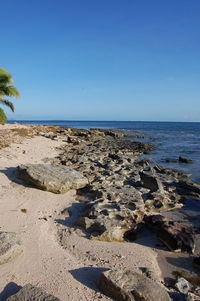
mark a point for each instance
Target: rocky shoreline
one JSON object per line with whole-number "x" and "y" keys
{"x": 124, "y": 196}
{"x": 123, "y": 190}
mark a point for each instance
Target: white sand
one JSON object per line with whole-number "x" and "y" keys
{"x": 69, "y": 272}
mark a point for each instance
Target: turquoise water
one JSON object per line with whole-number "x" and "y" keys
{"x": 171, "y": 139}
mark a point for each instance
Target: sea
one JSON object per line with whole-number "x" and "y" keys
{"x": 171, "y": 139}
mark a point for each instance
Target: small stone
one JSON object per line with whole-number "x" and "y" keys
{"x": 24, "y": 210}
{"x": 182, "y": 285}
{"x": 192, "y": 297}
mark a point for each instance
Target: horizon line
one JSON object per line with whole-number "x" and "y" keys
{"x": 74, "y": 120}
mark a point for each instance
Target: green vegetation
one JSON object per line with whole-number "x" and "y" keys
{"x": 6, "y": 90}
{"x": 2, "y": 117}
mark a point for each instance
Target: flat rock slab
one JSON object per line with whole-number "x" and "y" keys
{"x": 32, "y": 293}
{"x": 131, "y": 286}
{"x": 10, "y": 246}
{"x": 57, "y": 179}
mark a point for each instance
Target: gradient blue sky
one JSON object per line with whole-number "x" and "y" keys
{"x": 103, "y": 59}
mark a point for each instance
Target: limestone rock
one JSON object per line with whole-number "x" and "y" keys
{"x": 123, "y": 187}
{"x": 175, "y": 235}
{"x": 110, "y": 221}
{"x": 32, "y": 293}
{"x": 131, "y": 286}
{"x": 10, "y": 246}
{"x": 57, "y": 179}
{"x": 150, "y": 181}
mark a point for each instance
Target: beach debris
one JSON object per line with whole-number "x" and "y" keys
{"x": 31, "y": 293}
{"x": 10, "y": 246}
{"x": 175, "y": 235}
{"x": 127, "y": 285}
{"x": 24, "y": 210}
{"x": 56, "y": 179}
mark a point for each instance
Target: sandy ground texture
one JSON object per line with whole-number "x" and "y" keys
{"x": 56, "y": 256}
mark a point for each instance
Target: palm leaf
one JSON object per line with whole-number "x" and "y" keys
{"x": 8, "y": 104}
{"x": 9, "y": 91}
{"x": 5, "y": 77}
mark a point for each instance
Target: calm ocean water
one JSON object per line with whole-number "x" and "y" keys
{"x": 171, "y": 139}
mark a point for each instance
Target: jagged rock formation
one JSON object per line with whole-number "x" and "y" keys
{"x": 122, "y": 187}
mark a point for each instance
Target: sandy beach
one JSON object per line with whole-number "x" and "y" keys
{"x": 100, "y": 151}
{"x": 56, "y": 256}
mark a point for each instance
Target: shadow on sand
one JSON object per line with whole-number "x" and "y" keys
{"x": 88, "y": 276}
{"x": 11, "y": 174}
{"x": 10, "y": 289}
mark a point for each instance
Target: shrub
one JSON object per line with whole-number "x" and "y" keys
{"x": 2, "y": 117}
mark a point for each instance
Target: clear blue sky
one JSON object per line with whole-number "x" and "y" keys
{"x": 103, "y": 59}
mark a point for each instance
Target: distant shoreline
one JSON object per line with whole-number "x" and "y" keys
{"x": 94, "y": 121}
{"x": 172, "y": 139}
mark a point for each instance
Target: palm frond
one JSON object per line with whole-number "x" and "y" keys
{"x": 8, "y": 104}
{"x": 5, "y": 77}
{"x": 9, "y": 91}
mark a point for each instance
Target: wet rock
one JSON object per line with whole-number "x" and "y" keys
{"x": 10, "y": 246}
{"x": 32, "y": 293}
{"x": 183, "y": 286}
{"x": 188, "y": 188}
{"x": 176, "y": 236}
{"x": 184, "y": 160}
{"x": 130, "y": 286}
{"x": 57, "y": 179}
